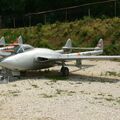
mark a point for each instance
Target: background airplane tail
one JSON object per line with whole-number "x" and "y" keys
{"x": 2, "y": 41}
{"x": 19, "y": 40}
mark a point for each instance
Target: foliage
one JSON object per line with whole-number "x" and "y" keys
{"x": 83, "y": 33}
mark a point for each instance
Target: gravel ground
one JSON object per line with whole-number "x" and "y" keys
{"x": 92, "y": 93}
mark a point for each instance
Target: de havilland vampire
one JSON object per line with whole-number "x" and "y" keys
{"x": 25, "y": 57}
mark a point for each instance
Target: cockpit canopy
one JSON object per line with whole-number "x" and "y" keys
{"x": 22, "y": 48}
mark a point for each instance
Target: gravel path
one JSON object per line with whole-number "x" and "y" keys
{"x": 89, "y": 94}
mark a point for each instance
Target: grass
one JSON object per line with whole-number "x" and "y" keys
{"x": 14, "y": 93}
{"x": 118, "y": 101}
{"x": 35, "y": 86}
{"x": 44, "y": 95}
{"x": 58, "y": 91}
{"x": 112, "y": 73}
{"x": 64, "y": 92}
{"x": 14, "y": 85}
{"x": 109, "y": 99}
{"x": 100, "y": 94}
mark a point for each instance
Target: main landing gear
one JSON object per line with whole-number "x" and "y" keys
{"x": 64, "y": 71}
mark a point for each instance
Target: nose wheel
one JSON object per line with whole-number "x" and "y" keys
{"x": 64, "y": 71}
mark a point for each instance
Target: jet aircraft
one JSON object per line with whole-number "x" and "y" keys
{"x": 25, "y": 57}
{"x": 30, "y": 58}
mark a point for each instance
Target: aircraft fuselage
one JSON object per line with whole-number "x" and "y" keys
{"x": 28, "y": 60}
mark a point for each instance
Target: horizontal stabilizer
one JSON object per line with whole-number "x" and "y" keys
{"x": 68, "y": 46}
{"x": 5, "y": 54}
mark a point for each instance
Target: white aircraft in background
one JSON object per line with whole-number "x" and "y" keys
{"x": 2, "y": 41}
{"x": 30, "y": 58}
{"x": 7, "y": 49}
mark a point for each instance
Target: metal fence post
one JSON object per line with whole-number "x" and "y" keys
{"x": 45, "y": 18}
{"x": 66, "y": 14}
{"x": 115, "y": 8}
{"x": 29, "y": 20}
{"x": 14, "y": 22}
{"x": 0, "y": 21}
{"x": 89, "y": 12}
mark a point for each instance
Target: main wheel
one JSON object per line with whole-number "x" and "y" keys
{"x": 64, "y": 71}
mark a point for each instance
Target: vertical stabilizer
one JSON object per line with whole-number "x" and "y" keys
{"x": 20, "y": 40}
{"x": 100, "y": 44}
{"x": 68, "y": 46}
{"x": 2, "y": 41}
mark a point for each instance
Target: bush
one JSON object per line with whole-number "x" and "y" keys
{"x": 39, "y": 27}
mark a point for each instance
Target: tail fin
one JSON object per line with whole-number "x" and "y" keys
{"x": 2, "y": 41}
{"x": 68, "y": 46}
{"x": 20, "y": 40}
{"x": 100, "y": 44}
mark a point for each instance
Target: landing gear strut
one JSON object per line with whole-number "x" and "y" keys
{"x": 9, "y": 75}
{"x": 64, "y": 71}
{"x": 5, "y": 75}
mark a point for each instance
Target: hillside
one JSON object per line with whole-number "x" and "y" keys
{"x": 84, "y": 32}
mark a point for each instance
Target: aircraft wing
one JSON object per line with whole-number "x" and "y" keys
{"x": 82, "y": 48}
{"x": 78, "y": 57}
{"x": 73, "y": 56}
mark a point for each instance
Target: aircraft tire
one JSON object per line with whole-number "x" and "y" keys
{"x": 64, "y": 71}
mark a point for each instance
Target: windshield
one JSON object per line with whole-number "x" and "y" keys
{"x": 21, "y": 48}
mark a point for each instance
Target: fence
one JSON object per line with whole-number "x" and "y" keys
{"x": 96, "y": 9}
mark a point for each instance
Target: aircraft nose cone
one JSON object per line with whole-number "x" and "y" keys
{"x": 8, "y": 63}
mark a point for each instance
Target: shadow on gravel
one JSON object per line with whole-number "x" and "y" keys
{"x": 55, "y": 76}
{"x": 86, "y": 78}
